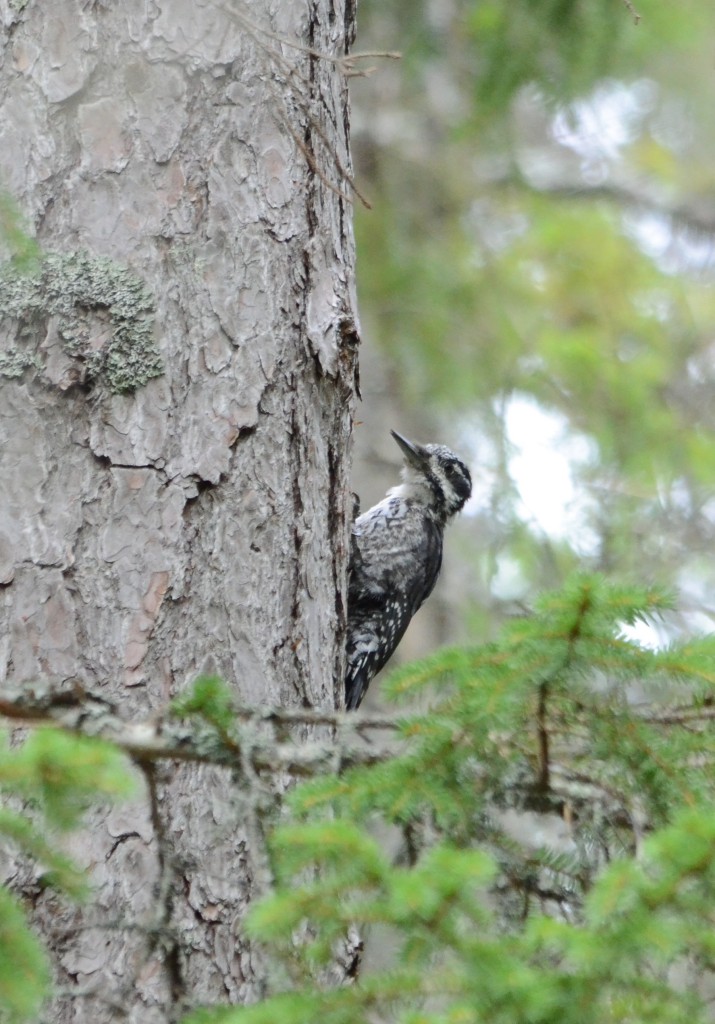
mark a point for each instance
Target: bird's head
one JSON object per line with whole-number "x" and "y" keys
{"x": 434, "y": 470}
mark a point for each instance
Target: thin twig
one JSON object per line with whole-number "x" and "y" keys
{"x": 633, "y": 12}
{"x": 338, "y": 163}
{"x": 679, "y": 716}
{"x": 315, "y": 167}
{"x": 166, "y": 738}
{"x": 345, "y": 63}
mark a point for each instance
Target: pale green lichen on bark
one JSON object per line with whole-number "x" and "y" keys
{"x": 79, "y": 289}
{"x": 13, "y": 363}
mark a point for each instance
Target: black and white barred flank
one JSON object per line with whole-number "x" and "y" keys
{"x": 396, "y": 557}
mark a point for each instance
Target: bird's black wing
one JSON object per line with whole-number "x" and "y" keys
{"x": 394, "y": 568}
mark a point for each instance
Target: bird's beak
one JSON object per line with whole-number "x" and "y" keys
{"x": 414, "y": 454}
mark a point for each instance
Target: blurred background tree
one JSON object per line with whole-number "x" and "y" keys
{"x": 535, "y": 284}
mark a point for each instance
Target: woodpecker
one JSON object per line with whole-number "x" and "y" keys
{"x": 396, "y": 556}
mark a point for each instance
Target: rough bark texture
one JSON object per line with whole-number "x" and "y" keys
{"x": 178, "y": 161}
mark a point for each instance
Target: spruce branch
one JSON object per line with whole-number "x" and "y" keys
{"x": 165, "y": 737}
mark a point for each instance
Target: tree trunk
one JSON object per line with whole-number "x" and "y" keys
{"x": 176, "y": 396}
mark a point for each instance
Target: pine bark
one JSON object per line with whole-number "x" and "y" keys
{"x": 171, "y": 513}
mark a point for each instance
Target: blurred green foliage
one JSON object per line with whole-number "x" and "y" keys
{"x": 563, "y": 715}
{"x": 208, "y": 699}
{"x": 562, "y": 46}
{"x": 543, "y": 228}
{"x": 52, "y": 779}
